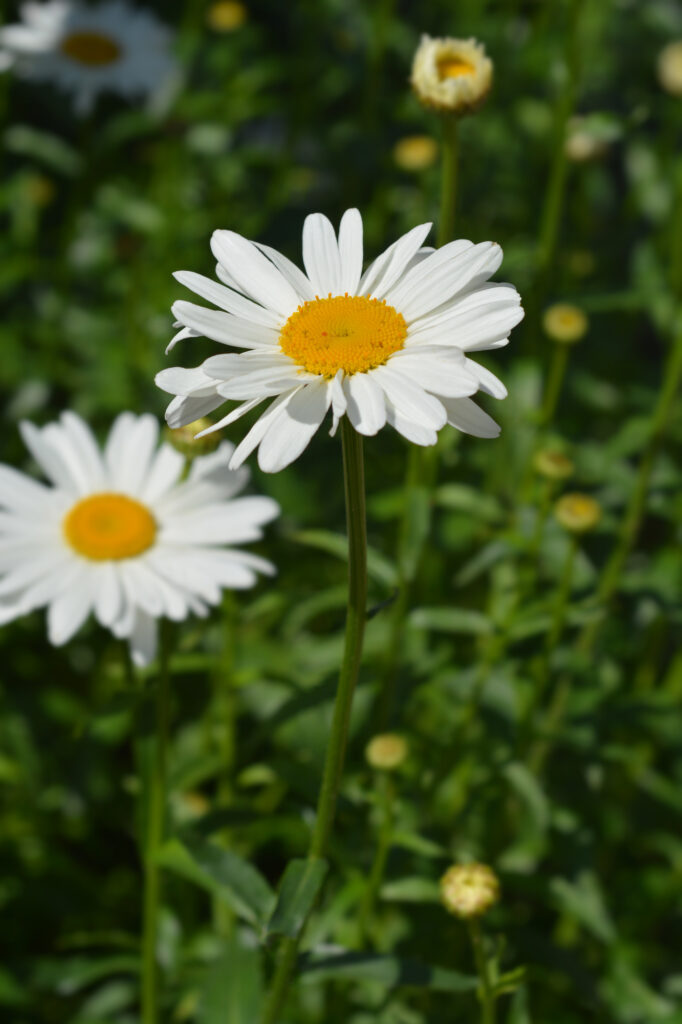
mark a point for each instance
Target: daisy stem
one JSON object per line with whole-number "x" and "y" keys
{"x": 385, "y": 794}
{"x": 486, "y": 994}
{"x": 155, "y": 784}
{"x": 448, "y": 195}
{"x": 555, "y": 378}
{"x": 354, "y": 484}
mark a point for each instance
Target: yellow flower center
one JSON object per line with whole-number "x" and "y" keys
{"x": 109, "y": 526}
{"x": 454, "y": 67}
{"x": 90, "y": 48}
{"x": 343, "y": 332}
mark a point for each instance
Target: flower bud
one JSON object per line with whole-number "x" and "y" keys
{"x": 565, "y": 323}
{"x": 469, "y": 890}
{"x": 577, "y": 513}
{"x": 582, "y": 144}
{"x": 226, "y": 15}
{"x": 185, "y": 441}
{"x": 415, "y": 152}
{"x": 553, "y": 465}
{"x": 451, "y": 75}
{"x": 386, "y": 751}
{"x": 669, "y": 68}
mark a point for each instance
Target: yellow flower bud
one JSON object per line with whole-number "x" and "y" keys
{"x": 469, "y": 890}
{"x": 451, "y": 75}
{"x": 226, "y": 15}
{"x": 553, "y": 465}
{"x": 577, "y": 513}
{"x": 415, "y": 152}
{"x": 669, "y": 68}
{"x": 184, "y": 439}
{"x": 565, "y": 323}
{"x": 386, "y": 752}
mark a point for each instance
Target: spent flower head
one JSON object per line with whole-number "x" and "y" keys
{"x": 565, "y": 323}
{"x": 226, "y": 15}
{"x": 390, "y": 345}
{"x": 577, "y": 513}
{"x": 118, "y": 533}
{"x": 469, "y": 890}
{"x": 553, "y": 465}
{"x": 451, "y": 75}
{"x": 669, "y": 68}
{"x": 90, "y": 49}
{"x": 386, "y": 751}
{"x": 415, "y": 152}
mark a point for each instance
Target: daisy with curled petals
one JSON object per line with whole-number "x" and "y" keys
{"x": 89, "y": 49}
{"x": 119, "y": 534}
{"x": 390, "y": 345}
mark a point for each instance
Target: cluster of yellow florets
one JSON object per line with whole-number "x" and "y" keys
{"x": 451, "y": 75}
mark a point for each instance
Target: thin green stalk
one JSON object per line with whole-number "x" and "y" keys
{"x": 156, "y": 812}
{"x": 422, "y": 463}
{"x": 385, "y": 795}
{"x": 555, "y": 379}
{"x": 449, "y": 172}
{"x": 486, "y": 992}
{"x": 354, "y": 483}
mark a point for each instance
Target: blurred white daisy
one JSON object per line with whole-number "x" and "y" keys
{"x": 109, "y": 47}
{"x": 118, "y": 533}
{"x": 386, "y": 346}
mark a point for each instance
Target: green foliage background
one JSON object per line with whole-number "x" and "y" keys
{"x": 299, "y": 110}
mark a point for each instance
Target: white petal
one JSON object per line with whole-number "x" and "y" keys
{"x": 293, "y": 274}
{"x": 129, "y": 458}
{"x": 228, "y": 299}
{"x": 350, "y": 251}
{"x": 186, "y": 409}
{"x": 383, "y": 273}
{"x": 230, "y": 522}
{"x": 321, "y": 256}
{"x": 49, "y": 460}
{"x": 466, "y": 416}
{"x": 441, "y": 372}
{"x": 254, "y": 437}
{"x": 177, "y": 380}
{"x": 70, "y": 609}
{"x": 254, "y": 272}
{"x": 290, "y": 431}
{"x": 487, "y": 380}
{"x": 411, "y": 431}
{"x": 143, "y": 639}
{"x": 409, "y": 399}
{"x": 84, "y": 447}
{"x": 338, "y": 399}
{"x": 164, "y": 471}
{"x": 448, "y": 271}
{"x": 108, "y": 594}
{"x": 223, "y": 327}
{"x": 366, "y": 407}
{"x": 20, "y": 492}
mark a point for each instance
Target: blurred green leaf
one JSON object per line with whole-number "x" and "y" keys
{"x": 233, "y": 987}
{"x": 299, "y": 888}
{"x": 387, "y": 970}
{"x": 415, "y": 889}
{"x": 451, "y": 620}
{"x": 583, "y": 900}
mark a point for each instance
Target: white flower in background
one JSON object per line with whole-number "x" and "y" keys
{"x": 109, "y": 47}
{"x": 118, "y": 533}
{"x": 386, "y": 346}
{"x": 451, "y": 75}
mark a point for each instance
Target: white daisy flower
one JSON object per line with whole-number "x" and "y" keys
{"x": 386, "y": 346}
{"x": 118, "y": 533}
{"x": 451, "y": 75}
{"x": 87, "y": 50}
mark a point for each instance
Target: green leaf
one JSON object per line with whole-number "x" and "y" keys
{"x": 222, "y": 873}
{"x": 378, "y": 567}
{"x": 584, "y": 901}
{"x": 298, "y": 891}
{"x": 11, "y": 992}
{"x": 50, "y": 149}
{"x": 451, "y": 620}
{"x": 414, "y": 889}
{"x": 418, "y": 844}
{"x": 233, "y": 987}
{"x": 387, "y": 970}
{"x": 68, "y": 975}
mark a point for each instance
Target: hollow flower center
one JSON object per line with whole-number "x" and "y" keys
{"x": 343, "y": 332}
{"x": 90, "y": 48}
{"x": 454, "y": 67}
{"x": 109, "y": 526}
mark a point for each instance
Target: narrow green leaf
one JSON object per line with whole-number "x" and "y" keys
{"x": 415, "y": 889}
{"x": 222, "y": 873}
{"x": 300, "y": 886}
{"x": 233, "y": 987}
{"x": 451, "y": 620}
{"x": 378, "y": 567}
{"x": 583, "y": 900}
{"x": 387, "y": 970}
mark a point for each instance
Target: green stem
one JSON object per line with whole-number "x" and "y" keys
{"x": 486, "y": 992}
{"x": 385, "y": 794}
{"x": 156, "y": 810}
{"x": 448, "y": 195}
{"x": 555, "y": 378}
{"x": 354, "y": 483}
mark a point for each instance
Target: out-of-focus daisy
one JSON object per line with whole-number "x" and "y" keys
{"x": 226, "y": 15}
{"x": 109, "y": 47}
{"x": 451, "y": 75}
{"x": 415, "y": 152}
{"x": 565, "y": 323}
{"x": 386, "y": 346}
{"x": 119, "y": 534}
{"x": 669, "y": 67}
